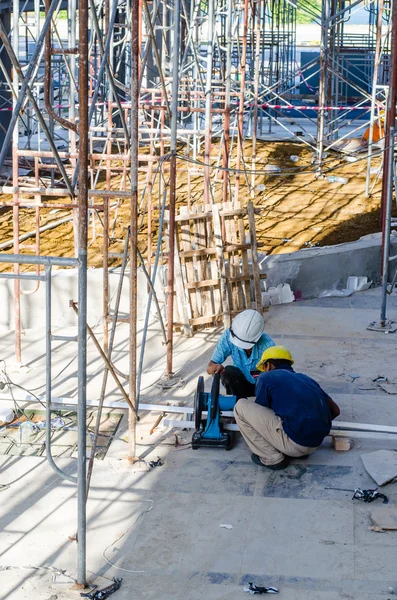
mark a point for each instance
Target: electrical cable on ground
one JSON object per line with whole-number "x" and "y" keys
{"x": 56, "y": 572}
{"x": 124, "y": 534}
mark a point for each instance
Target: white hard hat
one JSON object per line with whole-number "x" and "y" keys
{"x": 246, "y": 329}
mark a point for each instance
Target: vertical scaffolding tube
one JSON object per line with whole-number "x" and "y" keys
{"x": 132, "y": 415}
{"x": 322, "y": 83}
{"x": 387, "y": 227}
{"x": 171, "y": 233}
{"x": 226, "y": 120}
{"x": 373, "y": 99}
{"x": 82, "y": 293}
{"x": 240, "y": 135}
{"x": 390, "y": 118}
{"x": 256, "y": 32}
{"x": 15, "y": 209}
{"x": 208, "y": 103}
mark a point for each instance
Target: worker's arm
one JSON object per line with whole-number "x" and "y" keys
{"x": 334, "y": 408}
{"x": 214, "y": 367}
{"x": 221, "y": 353}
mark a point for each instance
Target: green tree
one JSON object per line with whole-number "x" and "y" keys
{"x": 304, "y": 16}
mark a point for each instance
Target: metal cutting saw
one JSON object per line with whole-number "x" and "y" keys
{"x": 208, "y": 409}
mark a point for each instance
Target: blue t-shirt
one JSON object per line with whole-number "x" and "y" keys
{"x": 246, "y": 364}
{"x": 300, "y": 403}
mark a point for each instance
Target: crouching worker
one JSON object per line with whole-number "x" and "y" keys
{"x": 245, "y": 341}
{"x": 290, "y": 416}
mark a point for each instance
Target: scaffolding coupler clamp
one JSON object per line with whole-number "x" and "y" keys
{"x": 104, "y": 592}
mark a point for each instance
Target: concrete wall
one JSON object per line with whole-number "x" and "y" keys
{"x": 64, "y": 288}
{"x": 313, "y": 270}
{"x": 309, "y": 271}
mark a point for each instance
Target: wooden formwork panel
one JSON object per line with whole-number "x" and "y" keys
{"x": 216, "y": 252}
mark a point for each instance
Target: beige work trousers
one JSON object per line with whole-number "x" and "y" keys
{"x": 263, "y": 431}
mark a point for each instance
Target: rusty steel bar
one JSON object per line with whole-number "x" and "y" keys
{"x": 171, "y": 225}
{"x": 103, "y": 67}
{"x": 256, "y": 8}
{"x": 48, "y": 78}
{"x": 40, "y": 118}
{"x": 105, "y": 359}
{"x": 28, "y": 75}
{"x": 208, "y": 104}
{"x": 156, "y": 54}
{"x": 226, "y": 120}
{"x": 240, "y": 127}
{"x": 117, "y": 103}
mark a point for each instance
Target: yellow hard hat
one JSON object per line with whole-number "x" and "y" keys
{"x": 276, "y": 352}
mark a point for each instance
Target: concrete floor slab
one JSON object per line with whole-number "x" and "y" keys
{"x": 374, "y": 563}
{"x": 159, "y": 528}
{"x": 320, "y": 521}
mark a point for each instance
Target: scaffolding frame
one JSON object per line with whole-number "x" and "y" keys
{"x": 105, "y": 104}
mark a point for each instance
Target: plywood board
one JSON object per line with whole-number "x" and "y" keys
{"x": 384, "y": 517}
{"x": 381, "y": 465}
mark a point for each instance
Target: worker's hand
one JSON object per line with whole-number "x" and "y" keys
{"x": 218, "y": 369}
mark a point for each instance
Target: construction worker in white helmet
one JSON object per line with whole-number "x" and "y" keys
{"x": 245, "y": 342}
{"x": 290, "y": 415}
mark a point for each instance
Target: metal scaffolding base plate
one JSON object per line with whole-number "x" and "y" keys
{"x": 165, "y": 383}
{"x": 387, "y": 326}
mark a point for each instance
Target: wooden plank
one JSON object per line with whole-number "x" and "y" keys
{"x": 200, "y": 242}
{"x": 246, "y": 288}
{"x": 205, "y": 251}
{"x": 216, "y": 280}
{"x": 254, "y": 258}
{"x": 234, "y": 260}
{"x": 182, "y": 300}
{"x": 207, "y": 214}
{"x": 205, "y": 227}
{"x": 184, "y": 229}
{"x": 181, "y": 305}
{"x": 206, "y": 319}
{"x": 213, "y": 268}
{"x": 221, "y": 266}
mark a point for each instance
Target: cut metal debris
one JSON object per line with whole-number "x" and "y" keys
{"x": 96, "y": 594}
{"x": 156, "y": 463}
{"x": 257, "y": 589}
{"x": 226, "y": 526}
{"x": 365, "y": 495}
{"x": 369, "y": 495}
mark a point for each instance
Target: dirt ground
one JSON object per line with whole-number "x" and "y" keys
{"x": 297, "y": 209}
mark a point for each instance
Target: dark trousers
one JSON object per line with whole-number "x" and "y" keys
{"x": 236, "y": 384}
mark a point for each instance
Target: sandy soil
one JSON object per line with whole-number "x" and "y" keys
{"x": 297, "y": 209}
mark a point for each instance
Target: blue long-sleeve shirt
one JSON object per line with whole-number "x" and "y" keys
{"x": 300, "y": 403}
{"x": 246, "y": 364}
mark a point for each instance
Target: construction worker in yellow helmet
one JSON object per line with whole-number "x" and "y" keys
{"x": 289, "y": 416}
